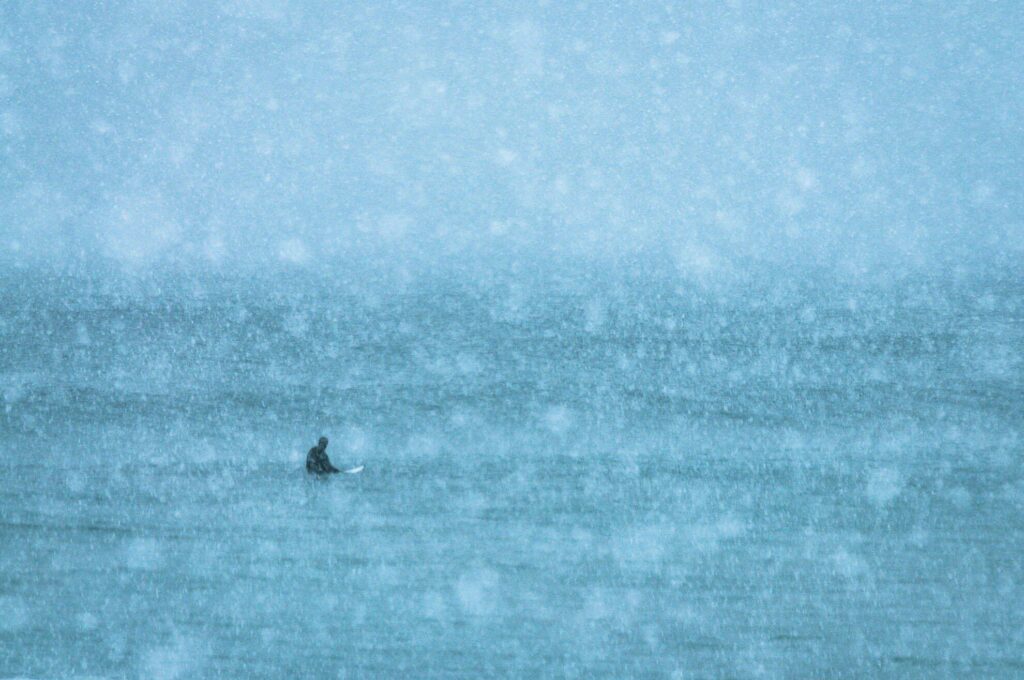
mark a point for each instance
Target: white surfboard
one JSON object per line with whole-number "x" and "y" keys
{"x": 354, "y": 471}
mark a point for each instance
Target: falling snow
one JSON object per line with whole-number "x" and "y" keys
{"x": 676, "y": 340}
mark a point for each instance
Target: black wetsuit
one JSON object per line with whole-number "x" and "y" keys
{"x": 318, "y": 463}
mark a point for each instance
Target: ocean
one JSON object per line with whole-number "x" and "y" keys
{"x": 599, "y": 478}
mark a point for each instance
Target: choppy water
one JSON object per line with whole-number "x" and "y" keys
{"x": 610, "y": 481}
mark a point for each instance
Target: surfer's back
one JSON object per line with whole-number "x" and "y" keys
{"x": 317, "y": 461}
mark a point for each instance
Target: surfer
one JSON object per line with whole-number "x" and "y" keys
{"x": 317, "y": 461}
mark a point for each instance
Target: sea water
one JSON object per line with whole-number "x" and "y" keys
{"x": 616, "y": 479}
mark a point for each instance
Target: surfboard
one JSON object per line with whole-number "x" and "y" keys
{"x": 354, "y": 471}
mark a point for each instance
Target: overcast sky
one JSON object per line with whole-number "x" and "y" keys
{"x": 857, "y": 136}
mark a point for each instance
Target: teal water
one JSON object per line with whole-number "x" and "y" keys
{"x": 600, "y": 481}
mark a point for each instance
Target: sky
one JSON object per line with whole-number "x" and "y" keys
{"x": 712, "y": 136}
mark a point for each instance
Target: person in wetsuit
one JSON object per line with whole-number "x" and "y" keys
{"x": 317, "y": 462}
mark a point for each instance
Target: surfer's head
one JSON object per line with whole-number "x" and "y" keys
{"x": 322, "y": 443}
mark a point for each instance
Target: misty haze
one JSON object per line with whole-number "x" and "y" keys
{"x": 677, "y": 340}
